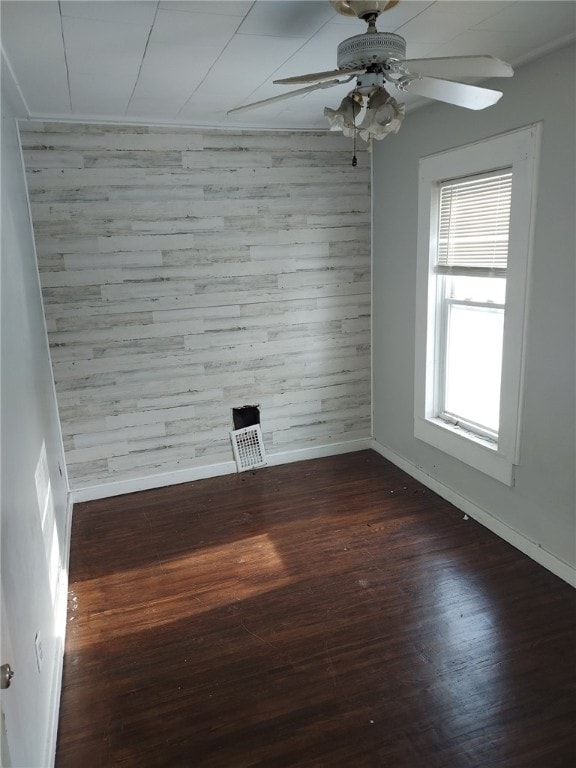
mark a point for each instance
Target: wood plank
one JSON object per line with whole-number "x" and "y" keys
{"x": 325, "y": 613}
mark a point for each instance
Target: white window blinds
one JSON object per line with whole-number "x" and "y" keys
{"x": 474, "y": 225}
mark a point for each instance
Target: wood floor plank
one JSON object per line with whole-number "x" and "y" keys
{"x": 326, "y": 613}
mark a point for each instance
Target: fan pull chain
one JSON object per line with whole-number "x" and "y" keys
{"x": 354, "y": 158}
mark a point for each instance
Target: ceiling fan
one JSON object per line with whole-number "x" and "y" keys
{"x": 377, "y": 59}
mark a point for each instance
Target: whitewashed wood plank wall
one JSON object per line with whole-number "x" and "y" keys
{"x": 185, "y": 273}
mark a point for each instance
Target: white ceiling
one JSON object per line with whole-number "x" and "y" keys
{"x": 188, "y": 62}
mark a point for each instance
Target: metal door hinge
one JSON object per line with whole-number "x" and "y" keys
{"x": 6, "y": 675}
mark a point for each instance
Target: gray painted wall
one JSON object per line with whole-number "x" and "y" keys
{"x": 541, "y": 506}
{"x": 33, "y": 492}
{"x": 187, "y": 273}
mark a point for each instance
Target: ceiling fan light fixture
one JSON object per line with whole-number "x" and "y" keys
{"x": 383, "y": 115}
{"x": 344, "y": 118}
{"x": 382, "y": 118}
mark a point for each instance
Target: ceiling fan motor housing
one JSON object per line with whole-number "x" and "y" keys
{"x": 363, "y": 50}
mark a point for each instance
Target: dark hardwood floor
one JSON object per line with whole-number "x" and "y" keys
{"x": 328, "y": 613}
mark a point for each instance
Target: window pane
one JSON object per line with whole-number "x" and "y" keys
{"x": 477, "y": 288}
{"x": 474, "y": 364}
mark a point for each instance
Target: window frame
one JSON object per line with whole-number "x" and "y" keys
{"x": 519, "y": 151}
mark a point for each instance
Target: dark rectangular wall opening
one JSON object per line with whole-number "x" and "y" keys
{"x": 247, "y": 416}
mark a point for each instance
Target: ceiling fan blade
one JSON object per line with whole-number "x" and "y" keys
{"x": 282, "y": 96}
{"x": 319, "y": 77}
{"x": 459, "y": 66}
{"x": 460, "y": 94}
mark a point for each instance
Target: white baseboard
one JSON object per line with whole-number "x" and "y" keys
{"x": 119, "y": 487}
{"x": 530, "y": 548}
{"x": 318, "y": 451}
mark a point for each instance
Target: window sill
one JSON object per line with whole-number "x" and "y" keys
{"x": 471, "y": 449}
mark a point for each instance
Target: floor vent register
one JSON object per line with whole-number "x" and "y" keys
{"x": 248, "y": 448}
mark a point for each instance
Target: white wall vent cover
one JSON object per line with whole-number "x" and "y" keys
{"x": 248, "y": 448}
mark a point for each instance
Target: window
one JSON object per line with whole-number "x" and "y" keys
{"x": 474, "y": 222}
{"x": 470, "y": 267}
